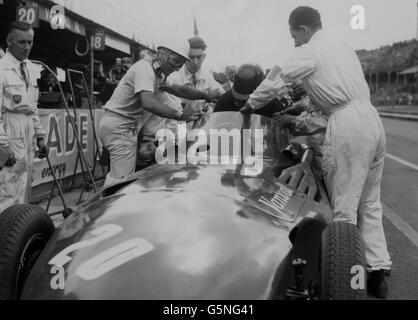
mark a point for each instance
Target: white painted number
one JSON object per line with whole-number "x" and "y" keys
{"x": 101, "y": 234}
{"x": 104, "y": 261}
{"x": 113, "y": 258}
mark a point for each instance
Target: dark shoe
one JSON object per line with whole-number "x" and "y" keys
{"x": 377, "y": 285}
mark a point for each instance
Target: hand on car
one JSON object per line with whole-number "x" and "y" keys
{"x": 298, "y": 91}
{"x": 43, "y": 149}
{"x": 284, "y": 120}
{"x": 7, "y": 158}
{"x": 191, "y": 115}
{"x": 147, "y": 151}
{"x": 295, "y": 109}
{"x": 11, "y": 160}
{"x": 246, "y": 109}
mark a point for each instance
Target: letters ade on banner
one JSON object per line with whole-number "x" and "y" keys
{"x": 62, "y": 143}
{"x": 29, "y": 14}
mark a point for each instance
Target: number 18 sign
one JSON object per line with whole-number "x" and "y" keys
{"x": 99, "y": 41}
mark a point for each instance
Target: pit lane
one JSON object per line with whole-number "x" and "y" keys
{"x": 400, "y": 206}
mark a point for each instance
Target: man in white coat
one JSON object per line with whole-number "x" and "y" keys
{"x": 355, "y": 144}
{"x": 20, "y": 126}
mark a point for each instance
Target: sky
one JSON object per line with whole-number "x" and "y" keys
{"x": 240, "y": 31}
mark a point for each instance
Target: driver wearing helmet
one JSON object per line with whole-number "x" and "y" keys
{"x": 246, "y": 80}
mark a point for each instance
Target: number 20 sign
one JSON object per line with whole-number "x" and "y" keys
{"x": 28, "y": 14}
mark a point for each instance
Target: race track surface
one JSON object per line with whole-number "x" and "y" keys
{"x": 400, "y": 206}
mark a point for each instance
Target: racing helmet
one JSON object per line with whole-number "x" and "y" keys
{"x": 246, "y": 80}
{"x": 178, "y": 46}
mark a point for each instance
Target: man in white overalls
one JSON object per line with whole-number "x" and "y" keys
{"x": 355, "y": 143}
{"x": 19, "y": 118}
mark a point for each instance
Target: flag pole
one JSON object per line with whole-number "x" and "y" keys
{"x": 195, "y": 30}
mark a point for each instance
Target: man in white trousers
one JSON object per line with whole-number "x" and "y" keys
{"x": 20, "y": 127}
{"x": 355, "y": 143}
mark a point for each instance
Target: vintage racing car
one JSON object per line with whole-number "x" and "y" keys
{"x": 192, "y": 231}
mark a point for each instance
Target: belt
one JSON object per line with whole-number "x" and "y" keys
{"x": 113, "y": 112}
{"x": 338, "y": 107}
{"x": 27, "y": 110}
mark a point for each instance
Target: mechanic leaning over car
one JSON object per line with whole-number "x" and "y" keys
{"x": 355, "y": 143}
{"x": 133, "y": 102}
{"x": 194, "y": 77}
{"x": 19, "y": 118}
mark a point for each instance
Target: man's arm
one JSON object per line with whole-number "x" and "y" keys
{"x": 39, "y": 132}
{"x": 306, "y": 124}
{"x": 8, "y": 156}
{"x": 187, "y": 92}
{"x": 151, "y": 104}
{"x": 266, "y": 92}
{"x": 297, "y": 67}
{"x": 310, "y": 123}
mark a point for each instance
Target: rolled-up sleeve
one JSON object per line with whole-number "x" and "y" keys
{"x": 299, "y": 66}
{"x": 144, "y": 78}
{"x": 174, "y": 78}
{"x": 271, "y": 87}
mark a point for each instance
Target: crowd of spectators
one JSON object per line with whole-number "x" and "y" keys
{"x": 391, "y": 59}
{"x": 391, "y": 95}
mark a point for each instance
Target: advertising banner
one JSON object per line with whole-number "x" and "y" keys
{"x": 63, "y": 145}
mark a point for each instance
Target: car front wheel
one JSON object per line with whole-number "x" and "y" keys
{"x": 24, "y": 232}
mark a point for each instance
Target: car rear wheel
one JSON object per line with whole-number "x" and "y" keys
{"x": 343, "y": 268}
{"x": 24, "y": 232}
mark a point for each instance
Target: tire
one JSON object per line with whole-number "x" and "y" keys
{"x": 24, "y": 232}
{"x": 341, "y": 250}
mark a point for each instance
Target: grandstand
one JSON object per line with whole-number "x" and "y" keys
{"x": 392, "y": 73}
